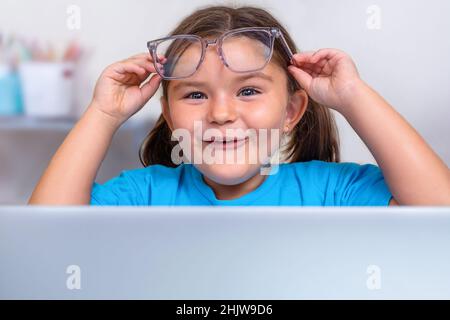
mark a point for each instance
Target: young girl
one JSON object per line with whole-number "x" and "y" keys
{"x": 232, "y": 71}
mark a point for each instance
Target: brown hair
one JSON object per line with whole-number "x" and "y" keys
{"x": 315, "y": 137}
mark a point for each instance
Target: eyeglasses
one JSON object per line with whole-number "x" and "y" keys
{"x": 241, "y": 50}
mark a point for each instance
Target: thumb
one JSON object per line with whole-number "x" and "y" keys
{"x": 150, "y": 87}
{"x": 302, "y": 77}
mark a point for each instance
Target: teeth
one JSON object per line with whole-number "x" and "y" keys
{"x": 224, "y": 140}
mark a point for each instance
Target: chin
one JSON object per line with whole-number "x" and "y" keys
{"x": 229, "y": 174}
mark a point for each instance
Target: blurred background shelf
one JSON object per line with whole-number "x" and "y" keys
{"x": 27, "y": 145}
{"x": 137, "y": 129}
{"x": 28, "y": 123}
{"x": 54, "y": 124}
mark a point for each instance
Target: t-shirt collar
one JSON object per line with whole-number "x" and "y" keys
{"x": 246, "y": 199}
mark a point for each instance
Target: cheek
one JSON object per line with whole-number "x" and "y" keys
{"x": 267, "y": 119}
{"x": 267, "y": 113}
{"x": 184, "y": 116}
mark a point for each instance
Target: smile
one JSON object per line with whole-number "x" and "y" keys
{"x": 228, "y": 143}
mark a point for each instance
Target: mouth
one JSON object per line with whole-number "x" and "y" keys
{"x": 226, "y": 142}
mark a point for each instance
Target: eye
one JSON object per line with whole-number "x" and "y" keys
{"x": 196, "y": 95}
{"x": 246, "y": 92}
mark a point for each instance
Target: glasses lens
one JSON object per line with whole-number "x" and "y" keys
{"x": 181, "y": 56}
{"x": 247, "y": 51}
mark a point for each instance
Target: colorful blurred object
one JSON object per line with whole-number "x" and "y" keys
{"x": 10, "y": 92}
{"x": 32, "y": 74}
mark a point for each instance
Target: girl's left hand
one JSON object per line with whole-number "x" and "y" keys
{"x": 329, "y": 76}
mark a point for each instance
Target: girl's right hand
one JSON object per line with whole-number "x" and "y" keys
{"x": 118, "y": 92}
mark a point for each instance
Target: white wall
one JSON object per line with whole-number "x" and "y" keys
{"x": 407, "y": 60}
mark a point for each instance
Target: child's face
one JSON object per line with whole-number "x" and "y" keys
{"x": 232, "y": 104}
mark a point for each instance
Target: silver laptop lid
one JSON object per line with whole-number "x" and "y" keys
{"x": 224, "y": 252}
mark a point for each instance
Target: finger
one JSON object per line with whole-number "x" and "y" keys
{"x": 309, "y": 68}
{"x": 149, "y": 64}
{"x": 141, "y": 55}
{"x": 302, "y": 77}
{"x": 301, "y": 58}
{"x": 321, "y": 63}
{"x": 317, "y": 67}
{"x": 312, "y": 66}
{"x": 150, "y": 87}
{"x": 129, "y": 67}
{"x": 146, "y": 64}
{"x": 325, "y": 54}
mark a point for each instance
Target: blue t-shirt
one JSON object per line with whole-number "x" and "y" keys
{"x": 312, "y": 183}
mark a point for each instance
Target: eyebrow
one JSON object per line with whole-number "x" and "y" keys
{"x": 244, "y": 77}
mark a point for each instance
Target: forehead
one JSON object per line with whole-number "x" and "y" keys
{"x": 240, "y": 50}
{"x": 259, "y": 76}
{"x": 220, "y": 76}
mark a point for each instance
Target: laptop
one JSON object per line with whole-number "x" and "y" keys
{"x": 224, "y": 252}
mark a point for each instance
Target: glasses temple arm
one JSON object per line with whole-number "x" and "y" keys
{"x": 286, "y": 46}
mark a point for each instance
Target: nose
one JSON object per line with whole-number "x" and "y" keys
{"x": 221, "y": 110}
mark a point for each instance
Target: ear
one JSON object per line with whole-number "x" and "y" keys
{"x": 166, "y": 112}
{"x": 296, "y": 107}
